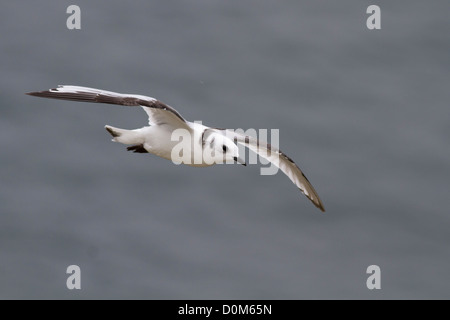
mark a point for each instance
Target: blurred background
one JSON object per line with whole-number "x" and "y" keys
{"x": 364, "y": 113}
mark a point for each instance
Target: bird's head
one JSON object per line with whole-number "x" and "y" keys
{"x": 220, "y": 148}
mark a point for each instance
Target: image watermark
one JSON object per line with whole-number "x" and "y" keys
{"x": 74, "y": 280}
{"x": 74, "y": 20}
{"x": 374, "y": 20}
{"x": 226, "y": 147}
{"x": 374, "y": 280}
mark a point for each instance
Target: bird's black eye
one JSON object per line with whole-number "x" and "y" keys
{"x": 224, "y": 148}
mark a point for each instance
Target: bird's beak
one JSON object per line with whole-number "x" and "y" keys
{"x": 239, "y": 160}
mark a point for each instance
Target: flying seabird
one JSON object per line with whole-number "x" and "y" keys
{"x": 165, "y": 121}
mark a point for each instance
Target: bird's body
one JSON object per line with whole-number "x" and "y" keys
{"x": 158, "y": 140}
{"x": 172, "y": 137}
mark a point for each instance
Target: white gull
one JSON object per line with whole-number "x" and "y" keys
{"x": 157, "y": 138}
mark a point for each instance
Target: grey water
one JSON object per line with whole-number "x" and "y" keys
{"x": 365, "y": 114}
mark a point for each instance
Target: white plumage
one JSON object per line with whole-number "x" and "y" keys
{"x": 165, "y": 123}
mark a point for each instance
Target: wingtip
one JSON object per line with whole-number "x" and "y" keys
{"x": 38, "y": 93}
{"x": 318, "y": 205}
{"x": 42, "y": 93}
{"x": 315, "y": 200}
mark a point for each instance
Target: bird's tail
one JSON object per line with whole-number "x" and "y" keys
{"x": 125, "y": 136}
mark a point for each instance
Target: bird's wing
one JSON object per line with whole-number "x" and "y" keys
{"x": 158, "y": 112}
{"x": 282, "y": 161}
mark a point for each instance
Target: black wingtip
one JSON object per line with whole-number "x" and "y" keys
{"x": 319, "y": 205}
{"x": 315, "y": 201}
{"x": 43, "y": 94}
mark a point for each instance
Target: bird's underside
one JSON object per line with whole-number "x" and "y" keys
{"x": 161, "y": 115}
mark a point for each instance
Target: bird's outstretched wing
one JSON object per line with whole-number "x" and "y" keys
{"x": 158, "y": 112}
{"x": 282, "y": 161}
